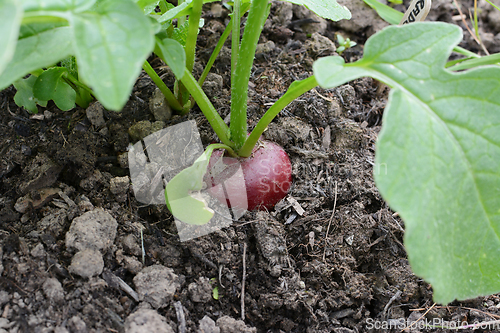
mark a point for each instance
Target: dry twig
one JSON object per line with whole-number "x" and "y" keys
{"x": 331, "y": 219}
{"x": 243, "y": 282}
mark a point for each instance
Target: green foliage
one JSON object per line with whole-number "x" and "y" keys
{"x": 438, "y": 154}
{"x": 344, "y": 44}
{"x": 11, "y": 15}
{"x": 325, "y": 8}
{"x": 50, "y": 85}
{"x": 387, "y": 13}
{"x": 174, "y": 55}
{"x": 25, "y": 97}
{"x": 29, "y": 57}
{"x": 110, "y": 40}
{"x": 215, "y": 293}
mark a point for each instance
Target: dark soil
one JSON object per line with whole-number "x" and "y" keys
{"x": 328, "y": 258}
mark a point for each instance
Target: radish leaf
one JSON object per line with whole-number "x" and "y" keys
{"x": 11, "y": 12}
{"x": 29, "y": 57}
{"x": 50, "y": 85}
{"x": 111, "y": 44}
{"x": 172, "y": 52}
{"x": 24, "y": 96}
{"x": 325, "y": 8}
{"x": 438, "y": 154}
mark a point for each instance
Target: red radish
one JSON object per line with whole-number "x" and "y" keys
{"x": 267, "y": 177}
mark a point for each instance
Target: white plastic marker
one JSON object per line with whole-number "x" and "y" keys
{"x": 417, "y": 12}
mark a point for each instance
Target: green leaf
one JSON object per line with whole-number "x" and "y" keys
{"x": 180, "y": 33}
{"x": 29, "y": 55}
{"x": 173, "y": 54}
{"x": 24, "y": 96}
{"x": 50, "y": 85}
{"x": 181, "y": 10}
{"x": 148, "y": 6}
{"x": 328, "y": 9}
{"x": 438, "y": 154}
{"x": 215, "y": 293}
{"x": 387, "y": 13}
{"x": 57, "y": 5}
{"x": 35, "y": 28}
{"x": 111, "y": 44}
{"x": 11, "y": 12}
{"x": 182, "y": 193}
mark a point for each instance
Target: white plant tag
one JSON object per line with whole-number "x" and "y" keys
{"x": 417, "y": 12}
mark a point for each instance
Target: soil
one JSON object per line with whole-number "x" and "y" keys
{"x": 80, "y": 254}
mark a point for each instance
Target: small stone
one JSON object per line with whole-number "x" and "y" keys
{"x": 348, "y": 135}
{"x": 84, "y": 204}
{"x": 95, "y": 114}
{"x": 317, "y": 25}
{"x": 25, "y": 150}
{"x": 53, "y": 289}
{"x": 159, "y": 106}
{"x": 131, "y": 245}
{"x": 93, "y": 181}
{"x": 38, "y": 251}
{"x": 132, "y": 265}
{"x": 147, "y": 320}
{"x": 47, "y": 114}
{"x": 41, "y": 172}
{"x": 213, "y": 85}
{"x": 144, "y": 128}
{"x": 216, "y": 10}
{"x": 207, "y": 325}
{"x": 363, "y": 18}
{"x": 4, "y": 297}
{"x": 60, "y": 329}
{"x": 283, "y": 14}
{"x": 348, "y": 94}
{"x": 87, "y": 263}
{"x": 320, "y": 46}
{"x": 93, "y": 230}
{"x": 123, "y": 160}
{"x": 119, "y": 187}
{"x": 231, "y": 325}
{"x": 77, "y": 325}
{"x": 201, "y": 290}
{"x": 266, "y": 47}
{"x": 156, "y": 285}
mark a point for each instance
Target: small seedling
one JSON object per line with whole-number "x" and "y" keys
{"x": 344, "y": 44}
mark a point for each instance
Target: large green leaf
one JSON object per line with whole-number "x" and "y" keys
{"x": 11, "y": 12}
{"x": 328, "y": 9}
{"x": 438, "y": 154}
{"x": 29, "y": 56}
{"x": 111, "y": 44}
{"x": 57, "y": 5}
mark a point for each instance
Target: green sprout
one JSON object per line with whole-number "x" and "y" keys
{"x": 344, "y": 44}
